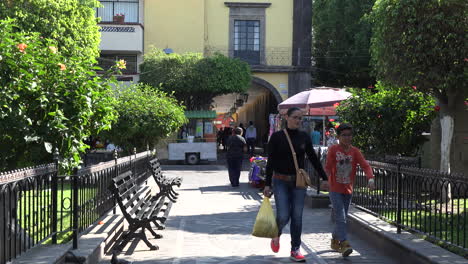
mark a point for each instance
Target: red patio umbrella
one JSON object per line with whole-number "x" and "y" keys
{"x": 317, "y": 101}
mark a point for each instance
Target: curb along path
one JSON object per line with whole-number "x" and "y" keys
{"x": 211, "y": 223}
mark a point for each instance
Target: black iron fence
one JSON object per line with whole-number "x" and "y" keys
{"x": 424, "y": 201}
{"x": 39, "y": 206}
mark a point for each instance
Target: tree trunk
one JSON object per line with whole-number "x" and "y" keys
{"x": 447, "y": 126}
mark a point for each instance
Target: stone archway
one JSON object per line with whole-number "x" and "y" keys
{"x": 269, "y": 86}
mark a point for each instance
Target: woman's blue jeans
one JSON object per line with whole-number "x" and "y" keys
{"x": 289, "y": 202}
{"x": 340, "y": 203}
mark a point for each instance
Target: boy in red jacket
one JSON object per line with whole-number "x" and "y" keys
{"x": 342, "y": 160}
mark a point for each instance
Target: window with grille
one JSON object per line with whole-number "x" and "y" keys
{"x": 110, "y": 8}
{"x": 247, "y": 41}
{"x": 106, "y": 61}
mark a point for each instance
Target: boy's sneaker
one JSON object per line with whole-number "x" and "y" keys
{"x": 335, "y": 244}
{"x": 275, "y": 244}
{"x": 345, "y": 248}
{"x": 297, "y": 256}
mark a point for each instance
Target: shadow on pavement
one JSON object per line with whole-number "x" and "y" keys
{"x": 198, "y": 168}
{"x": 230, "y": 223}
{"x": 270, "y": 259}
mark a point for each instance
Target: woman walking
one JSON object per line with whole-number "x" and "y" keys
{"x": 281, "y": 177}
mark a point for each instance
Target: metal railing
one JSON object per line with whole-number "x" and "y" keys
{"x": 394, "y": 159}
{"x": 129, "y": 8}
{"x": 424, "y": 201}
{"x": 273, "y": 56}
{"x": 39, "y": 206}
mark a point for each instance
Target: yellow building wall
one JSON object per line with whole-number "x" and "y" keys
{"x": 190, "y": 25}
{"x": 175, "y": 24}
{"x": 278, "y": 19}
{"x": 278, "y": 80}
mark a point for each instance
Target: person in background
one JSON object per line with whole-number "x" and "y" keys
{"x": 219, "y": 136}
{"x": 316, "y": 137}
{"x": 226, "y": 133}
{"x": 243, "y": 129}
{"x": 342, "y": 161}
{"x": 235, "y": 154}
{"x": 251, "y": 137}
{"x": 332, "y": 140}
{"x": 281, "y": 175}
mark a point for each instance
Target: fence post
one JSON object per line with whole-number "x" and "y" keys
{"x": 75, "y": 208}
{"x": 399, "y": 194}
{"x": 319, "y": 156}
{"x": 54, "y": 193}
{"x": 147, "y": 172}
{"x": 116, "y": 173}
{"x": 134, "y": 160}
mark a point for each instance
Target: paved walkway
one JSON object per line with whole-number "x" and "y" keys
{"x": 212, "y": 222}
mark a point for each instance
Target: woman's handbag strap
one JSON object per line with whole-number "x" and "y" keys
{"x": 292, "y": 150}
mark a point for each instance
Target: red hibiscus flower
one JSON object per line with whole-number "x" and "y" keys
{"x": 22, "y": 47}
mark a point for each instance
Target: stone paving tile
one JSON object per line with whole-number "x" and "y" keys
{"x": 212, "y": 222}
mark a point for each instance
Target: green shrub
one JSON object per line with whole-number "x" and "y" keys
{"x": 145, "y": 115}
{"x": 388, "y": 120}
{"x": 195, "y": 80}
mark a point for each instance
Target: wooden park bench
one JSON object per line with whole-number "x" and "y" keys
{"x": 165, "y": 184}
{"x": 139, "y": 207}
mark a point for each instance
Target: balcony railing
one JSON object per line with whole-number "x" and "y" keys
{"x": 272, "y": 56}
{"x": 130, "y": 8}
{"x": 107, "y": 61}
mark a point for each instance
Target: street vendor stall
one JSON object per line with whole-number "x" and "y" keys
{"x": 197, "y": 140}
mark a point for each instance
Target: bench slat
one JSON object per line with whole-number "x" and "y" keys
{"x": 134, "y": 196}
{"x": 158, "y": 204}
{"x": 122, "y": 176}
{"x": 140, "y": 203}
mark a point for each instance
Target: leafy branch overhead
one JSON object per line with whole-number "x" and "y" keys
{"x": 422, "y": 43}
{"x": 193, "y": 79}
{"x": 388, "y": 120}
{"x": 341, "y": 40}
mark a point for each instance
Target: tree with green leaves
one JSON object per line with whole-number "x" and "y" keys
{"x": 145, "y": 116}
{"x": 388, "y": 120}
{"x": 341, "y": 41}
{"x": 48, "y": 100}
{"x": 421, "y": 44}
{"x": 72, "y": 23}
{"x": 195, "y": 80}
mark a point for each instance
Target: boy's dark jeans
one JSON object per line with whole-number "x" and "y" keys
{"x": 340, "y": 203}
{"x": 289, "y": 202}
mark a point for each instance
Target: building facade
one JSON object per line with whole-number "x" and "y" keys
{"x": 273, "y": 36}
{"x": 122, "y": 35}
